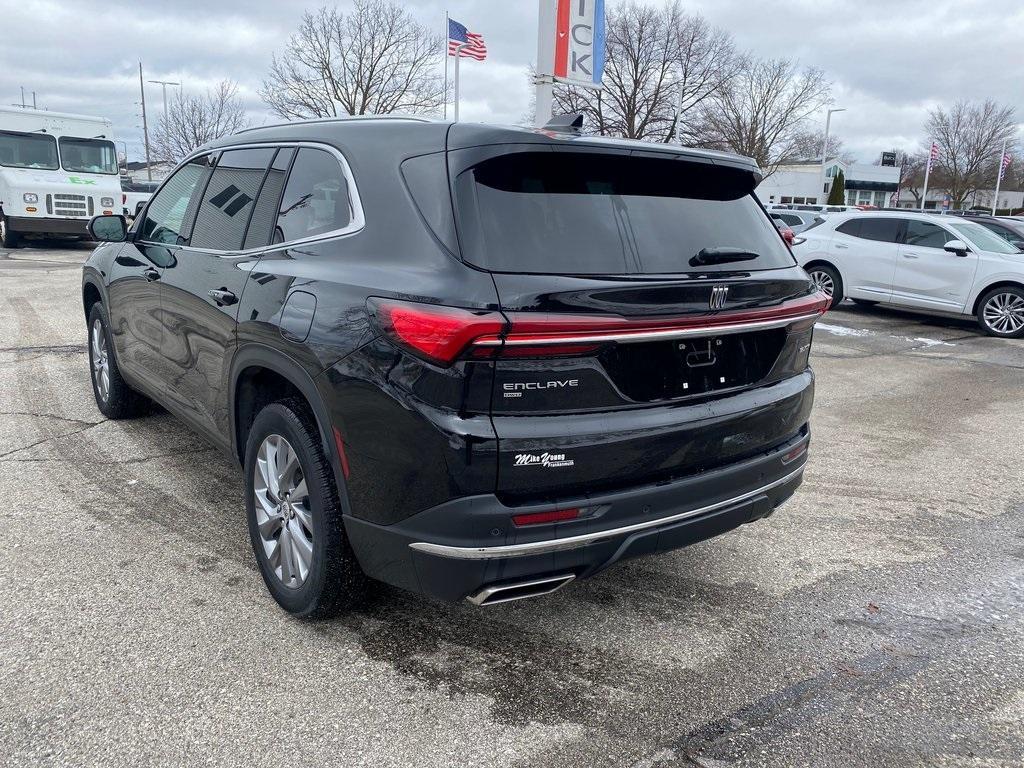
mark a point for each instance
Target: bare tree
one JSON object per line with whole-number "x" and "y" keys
{"x": 374, "y": 59}
{"x": 912, "y": 168}
{"x": 969, "y": 138}
{"x": 807, "y": 146}
{"x": 656, "y": 60}
{"x": 764, "y": 111}
{"x": 193, "y": 121}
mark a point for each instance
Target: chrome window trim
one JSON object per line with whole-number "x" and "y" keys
{"x": 575, "y": 542}
{"x": 357, "y": 223}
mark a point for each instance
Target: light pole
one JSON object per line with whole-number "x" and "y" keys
{"x": 824, "y": 146}
{"x": 164, "y": 83}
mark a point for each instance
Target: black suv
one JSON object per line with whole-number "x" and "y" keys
{"x": 469, "y": 361}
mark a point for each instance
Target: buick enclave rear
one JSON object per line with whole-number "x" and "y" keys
{"x": 472, "y": 362}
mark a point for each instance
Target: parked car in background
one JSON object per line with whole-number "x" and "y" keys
{"x": 798, "y": 221}
{"x": 135, "y": 194}
{"x": 948, "y": 265}
{"x": 784, "y": 230}
{"x": 1011, "y": 231}
{"x": 444, "y": 365}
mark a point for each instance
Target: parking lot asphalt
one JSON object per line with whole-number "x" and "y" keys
{"x": 875, "y": 620}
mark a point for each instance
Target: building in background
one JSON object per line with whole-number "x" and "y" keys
{"x": 1009, "y": 199}
{"x": 800, "y": 182}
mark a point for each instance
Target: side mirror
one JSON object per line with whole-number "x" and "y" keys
{"x": 108, "y": 229}
{"x": 959, "y": 247}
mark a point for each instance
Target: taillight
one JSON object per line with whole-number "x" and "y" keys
{"x": 444, "y": 334}
{"x": 440, "y": 334}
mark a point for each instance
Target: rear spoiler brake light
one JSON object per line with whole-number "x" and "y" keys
{"x": 445, "y": 334}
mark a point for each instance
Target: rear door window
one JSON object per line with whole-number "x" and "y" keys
{"x": 261, "y": 225}
{"x": 316, "y": 198}
{"x": 883, "y": 230}
{"x": 608, "y": 213}
{"x": 229, "y": 197}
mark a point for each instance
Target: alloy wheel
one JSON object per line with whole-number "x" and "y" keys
{"x": 100, "y": 360}
{"x": 822, "y": 281}
{"x": 283, "y": 513}
{"x": 1004, "y": 313}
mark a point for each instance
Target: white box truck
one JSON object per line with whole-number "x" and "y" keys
{"x": 56, "y": 172}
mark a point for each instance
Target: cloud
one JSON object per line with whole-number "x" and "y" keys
{"x": 889, "y": 62}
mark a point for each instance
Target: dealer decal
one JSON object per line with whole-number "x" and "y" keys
{"x": 552, "y": 460}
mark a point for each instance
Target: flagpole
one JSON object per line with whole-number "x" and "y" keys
{"x": 927, "y": 170}
{"x": 999, "y": 178}
{"x": 458, "y": 57}
{"x": 447, "y": 34}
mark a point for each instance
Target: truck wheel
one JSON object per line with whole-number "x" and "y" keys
{"x": 8, "y": 239}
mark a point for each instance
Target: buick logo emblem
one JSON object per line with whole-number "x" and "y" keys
{"x": 719, "y": 294}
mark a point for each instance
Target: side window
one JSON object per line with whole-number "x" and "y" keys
{"x": 926, "y": 235}
{"x": 791, "y": 220}
{"x": 262, "y": 223}
{"x": 316, "y": 198}
{"x": 1008, "y": 235}
{"x": 229, "y": 197}
{"x": 880, "y": 230}
{"x": 170, "y": 213}
{"x": 851, "y": 228}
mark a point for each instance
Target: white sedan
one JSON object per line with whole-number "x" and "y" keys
{"x": 946, "y": 266}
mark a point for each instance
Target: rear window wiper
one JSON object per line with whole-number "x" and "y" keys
{"x": 722, "y": 256}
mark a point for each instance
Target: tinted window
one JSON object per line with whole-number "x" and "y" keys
{"x": 924, "y": 234}
{"x": 229, "y": 197}
{"x": 262, "y": 222}
{"x": 28, "y": 150}
{"x": 316, "y": 198}
{"x": 793, "y": 221}
{"x": 883, "y": 230}
{"x": 170, "y": 213}
{"x": 588, "y": 213}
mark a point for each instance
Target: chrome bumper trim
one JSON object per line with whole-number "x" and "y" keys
{"x": 575, "y": 542}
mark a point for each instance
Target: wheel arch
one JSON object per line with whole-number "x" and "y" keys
{"x": 256, "y": 366}
{"x": 1018, "y": 284}
{"x": 91, "y": 294}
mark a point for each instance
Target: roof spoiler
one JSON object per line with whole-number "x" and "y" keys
{"x": 571, "y": 123}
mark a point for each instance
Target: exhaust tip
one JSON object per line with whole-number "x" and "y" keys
{"x": 520, "y": 590}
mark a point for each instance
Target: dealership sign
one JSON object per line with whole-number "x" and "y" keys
{"x": 579, "y": 42}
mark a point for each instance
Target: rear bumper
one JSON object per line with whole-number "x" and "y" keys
{"x": 48, "y": 226}
{"x": 459, "y": 548}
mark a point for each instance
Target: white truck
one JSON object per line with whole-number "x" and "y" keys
{"x": 57, "y": 171}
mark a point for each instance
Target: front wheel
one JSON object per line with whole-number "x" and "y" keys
{"x": 8, "y": 239}
{"x": 1001, "y": 312}
{"x": 828, "y": 282}
{"x": 295, "y": 518}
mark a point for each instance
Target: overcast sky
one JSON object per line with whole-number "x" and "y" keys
{"x": 889, "y": 62}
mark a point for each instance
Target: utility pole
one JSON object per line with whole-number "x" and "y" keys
{"x": 824, "y": 148}
{"x": 145, "y": 125}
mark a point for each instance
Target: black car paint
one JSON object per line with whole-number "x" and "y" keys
{"x": 405, "y": 437}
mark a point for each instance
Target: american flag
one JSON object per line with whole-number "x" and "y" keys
{"x": 933, "y": 155}
{"x": 473, "y": 44}
{"x": 1004, "y": 165}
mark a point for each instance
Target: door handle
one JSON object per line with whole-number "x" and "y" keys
{"x": 840, "y": 246}
{"x": 222, "y": 297}
{"x": 151, "y": 274}
{"x": 911, "y": 256}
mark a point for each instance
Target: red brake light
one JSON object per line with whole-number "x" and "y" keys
{"x": 554, "y": 516}
{"x": 437, "y": 333}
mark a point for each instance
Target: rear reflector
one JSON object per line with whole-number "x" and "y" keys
{"x": 795, "y": 453}
{"x": 538, "y": 518}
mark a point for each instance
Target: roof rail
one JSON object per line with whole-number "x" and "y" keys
{"x": 342, "y": 119}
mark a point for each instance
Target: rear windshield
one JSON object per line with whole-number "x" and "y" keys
{"x": 588, "y": 214}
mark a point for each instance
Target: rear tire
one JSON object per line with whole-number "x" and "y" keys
{"x": 8, "y": 238}
{"x": 114, "y": 398}
{"x": 1001, "y": 312}
{"x": 295, "y": 518}
{"x": 827, "y": 280}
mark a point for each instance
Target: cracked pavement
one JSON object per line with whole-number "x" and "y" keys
{"x": 874, "y": 621}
